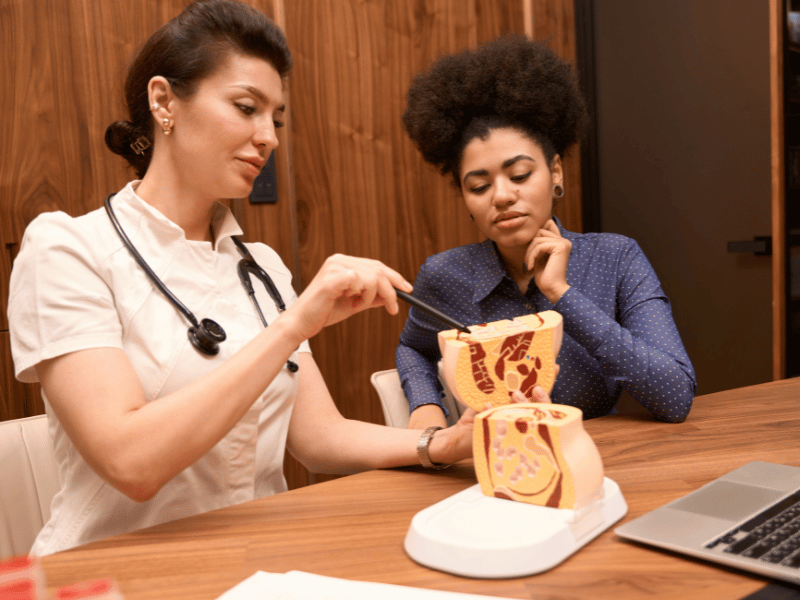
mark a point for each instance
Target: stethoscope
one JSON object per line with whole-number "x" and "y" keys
{"x": 206, "y": 335}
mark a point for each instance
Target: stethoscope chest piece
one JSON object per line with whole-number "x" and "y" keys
{"x": 207, "y": 336}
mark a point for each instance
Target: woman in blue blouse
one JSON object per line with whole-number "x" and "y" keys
{"x": 498, "y": 119}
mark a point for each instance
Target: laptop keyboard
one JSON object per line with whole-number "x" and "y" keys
{"x": 772, "y": 536}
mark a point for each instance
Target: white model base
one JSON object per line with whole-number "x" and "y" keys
{"x": 473, "y": 535}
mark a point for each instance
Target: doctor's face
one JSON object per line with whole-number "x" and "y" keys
{"x": 224, "y": 133}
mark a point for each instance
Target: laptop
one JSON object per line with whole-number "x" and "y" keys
{"x": 748, "y": 519}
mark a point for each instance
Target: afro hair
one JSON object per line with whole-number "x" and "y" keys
{"x": 508, "y": 82}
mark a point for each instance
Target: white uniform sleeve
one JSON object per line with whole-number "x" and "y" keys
{"x": 59, "y": 301}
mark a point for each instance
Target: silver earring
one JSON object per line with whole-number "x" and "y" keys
{"x": 155, "y": 106}
{"x": 558, "y": 191}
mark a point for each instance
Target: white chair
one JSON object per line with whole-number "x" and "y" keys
{"x": 29, "y": 481}
{"x": 395, "y": 404}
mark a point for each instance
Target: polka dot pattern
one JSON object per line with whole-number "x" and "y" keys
{"x": 618, "y": 327}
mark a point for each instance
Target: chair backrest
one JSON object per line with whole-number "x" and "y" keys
{"x": 395, "y": 403}
{"x": 29, "y": 475}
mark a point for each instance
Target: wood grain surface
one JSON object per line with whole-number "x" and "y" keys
{"x": 354, "y": 527}
{"x": 349, "y": 179}
{"x": 778, "y": 126}
{"x": 360, "y": 186}
{"x": 63, "y": 69}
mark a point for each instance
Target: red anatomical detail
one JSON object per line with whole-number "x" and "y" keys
{"x": 480, "y": 373}
{"x": 513, "y": 349}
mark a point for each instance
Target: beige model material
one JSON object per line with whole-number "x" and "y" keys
{"x": 484, "y": 368}
{"x": 537, "y": 453}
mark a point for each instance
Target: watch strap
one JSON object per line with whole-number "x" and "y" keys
{"x": 423, "y": 445}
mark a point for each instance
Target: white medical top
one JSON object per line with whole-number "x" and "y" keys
{"x": 75, "y": 286}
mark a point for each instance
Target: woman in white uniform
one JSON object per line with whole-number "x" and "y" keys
{"x": 150, "y": 424}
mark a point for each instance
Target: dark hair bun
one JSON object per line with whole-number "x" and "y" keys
{"x": 119, "y": 137}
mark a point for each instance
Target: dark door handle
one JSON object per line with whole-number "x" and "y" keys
{"x": 761, "y": 245}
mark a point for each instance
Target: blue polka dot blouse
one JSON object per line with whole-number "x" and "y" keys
{"x": 618, "y": 327}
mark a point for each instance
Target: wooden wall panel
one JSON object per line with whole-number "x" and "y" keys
{"x": 361, "y": 187}
{"x": 63, "y": 63}
{"x": 778, "y": 185}
{"x": 553, "y": 21}
{"x": 349, "y": 180}
{"x": 63, "y": 69}
{"x": 63, "y": 74}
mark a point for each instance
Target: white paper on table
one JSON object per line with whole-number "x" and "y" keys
{"x": 298, "y": 585}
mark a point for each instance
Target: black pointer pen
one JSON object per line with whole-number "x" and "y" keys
{"x": 432, "y": 311}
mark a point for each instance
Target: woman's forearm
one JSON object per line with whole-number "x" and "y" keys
{"x": 138, "y": 446}
{"x": 325, "y": 442}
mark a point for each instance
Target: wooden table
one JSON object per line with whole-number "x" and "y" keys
{"x": 354, "y": 527}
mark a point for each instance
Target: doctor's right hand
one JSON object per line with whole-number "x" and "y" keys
{"x": 344, "y": 286}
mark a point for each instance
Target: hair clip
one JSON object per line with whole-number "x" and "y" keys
{"x": 140, "y": 145}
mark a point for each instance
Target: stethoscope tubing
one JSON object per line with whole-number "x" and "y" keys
{"x": 143, "y": 264}
{"x": 206, "y": 334}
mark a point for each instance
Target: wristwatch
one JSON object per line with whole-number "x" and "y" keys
{"x": 423, "y": 444}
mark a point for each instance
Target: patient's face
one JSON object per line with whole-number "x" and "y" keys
{"x": 507, "y": 186}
